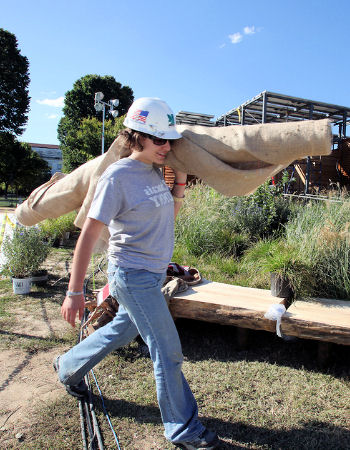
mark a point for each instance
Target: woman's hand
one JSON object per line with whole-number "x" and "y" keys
{"x": 71, "y": 306}
{"x": 82, "y": 254}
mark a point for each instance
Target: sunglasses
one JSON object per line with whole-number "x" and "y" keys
{"x": 156, "y": 140}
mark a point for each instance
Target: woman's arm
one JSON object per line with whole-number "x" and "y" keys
{"x": 82, "y": 254}
{"x": 178, "y": 190}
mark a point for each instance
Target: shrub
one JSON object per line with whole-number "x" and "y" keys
{"x": 55, "y": 228}
{"x": 204, "y": 224}
{"x": 262, "y": 213}
{"x": 25, "y": 251}
{"x": 277, "y": 256}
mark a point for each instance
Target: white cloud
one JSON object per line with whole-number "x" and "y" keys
{"x": 222, "y": 45}
{"x": 52, "y": 116}
{"x": 249, "y": 30}
{"x": 238, "y": 37}
{"x": 55, "y": 102}
{"x": 235, "y": 38}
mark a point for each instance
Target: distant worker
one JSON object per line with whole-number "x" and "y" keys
{"x": 133, "y": 200}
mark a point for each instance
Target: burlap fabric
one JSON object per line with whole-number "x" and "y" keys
{"x": 234, "y": 160}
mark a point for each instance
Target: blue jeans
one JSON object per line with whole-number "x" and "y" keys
{"x": 142, "y": 310}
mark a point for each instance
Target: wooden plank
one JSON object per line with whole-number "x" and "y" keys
{"x": 320, "y": 319}
{"x": 225, "y": 304}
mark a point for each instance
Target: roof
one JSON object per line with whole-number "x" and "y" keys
{"x": 43, "y": 145}
{"x": 192, "y": 118}
{"x": 273, "y": 107}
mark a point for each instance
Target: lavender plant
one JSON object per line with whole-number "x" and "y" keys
{"x": 24, "y": 252}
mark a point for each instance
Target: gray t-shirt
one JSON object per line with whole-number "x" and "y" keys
{"x": 133, "y": 200}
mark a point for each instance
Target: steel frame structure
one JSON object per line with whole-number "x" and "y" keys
{"x": 273, "y": 107}
{"x": 190, "y": 118}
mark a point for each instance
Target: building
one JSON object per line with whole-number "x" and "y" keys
{"x": 51, "y": 154}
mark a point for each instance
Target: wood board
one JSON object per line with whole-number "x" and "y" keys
{"x": 226, "y": 304}
{"x": 320, "y": 319}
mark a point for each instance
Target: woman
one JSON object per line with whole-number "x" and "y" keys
{"x": 136, "y": 204}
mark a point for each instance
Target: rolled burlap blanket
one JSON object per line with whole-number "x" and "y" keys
{"x": 234, "y": 160}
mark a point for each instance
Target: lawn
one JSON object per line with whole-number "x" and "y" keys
{"x": 269, "y": 395}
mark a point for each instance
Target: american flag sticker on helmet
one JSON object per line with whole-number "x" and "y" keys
{"x": 139, "y": 116}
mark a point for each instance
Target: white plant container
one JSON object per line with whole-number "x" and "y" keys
{"x": 21, "y": 285}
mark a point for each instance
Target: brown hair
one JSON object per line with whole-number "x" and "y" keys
{"x": 131, "y": 141}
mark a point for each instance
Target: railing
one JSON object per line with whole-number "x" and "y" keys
{"x": 11, "y": 201}
{"x": 317, "y": 197}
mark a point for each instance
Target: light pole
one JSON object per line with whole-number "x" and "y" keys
{"x": 101, "y": 106}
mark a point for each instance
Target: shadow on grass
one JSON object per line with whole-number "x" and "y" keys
{"x": 202, "y": 341}
{"x": 57, "y": 340}
{"x": 45, "y": 296}
{"x": 55, "y": 286}
{"x": 16, "y": 370}
{"x": 310, "y": 435}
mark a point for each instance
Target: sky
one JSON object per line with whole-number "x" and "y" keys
{"x": 201, "y": 56}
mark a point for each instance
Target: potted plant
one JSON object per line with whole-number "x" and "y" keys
{"x": 59, "y": 229}
{"x": 24, "y": 253}
{"x": 282, "y": 264}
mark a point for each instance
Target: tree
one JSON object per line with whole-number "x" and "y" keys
{"x": 21, "y": 168}
{"x": 84, "y": 143}
{"x": 79, "y": 106}
{"x": 14, "y": 80}
{"x": 79, "y": 102}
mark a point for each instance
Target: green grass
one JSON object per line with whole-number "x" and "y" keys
{"x": 269, "y": 396}
{"x": 5, "y": 298}
{"x": 312, "y": 247}
{"x": 38, "y": 305}
{"x": 320, "y": 235}
{"x": 223, "y": 269}
{"x": 53, "y": 426}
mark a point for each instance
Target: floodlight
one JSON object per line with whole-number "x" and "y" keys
{"x": 114, "y": 113}
{"x": 98, "y": 106}
{"x": 98, "y": 96}
{"x": 114, "y": 102}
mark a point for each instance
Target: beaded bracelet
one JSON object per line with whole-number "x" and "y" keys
{"x": 180, "y": 184}
{"x": 72, "y": 294}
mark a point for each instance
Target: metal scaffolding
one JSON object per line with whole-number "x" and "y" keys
{"x": 269, "y": 107}
{"x": 190, "y": 118}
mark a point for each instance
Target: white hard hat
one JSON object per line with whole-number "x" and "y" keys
{"x": 152, "y": 116}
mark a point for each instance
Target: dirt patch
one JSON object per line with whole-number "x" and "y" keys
{"x": 27, "y": 379}
{"x": 45, "y": 322}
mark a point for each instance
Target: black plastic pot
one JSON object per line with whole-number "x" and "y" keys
{"x": 39, "y": 278}
{"x": 280, "y": 286}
